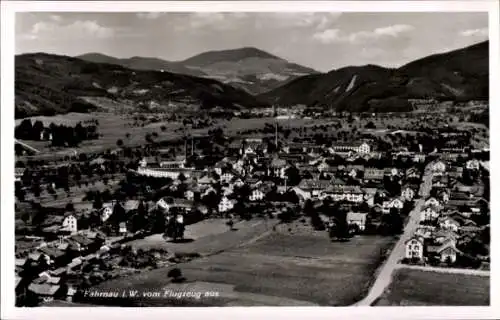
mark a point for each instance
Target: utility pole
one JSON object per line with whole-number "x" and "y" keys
{"x": 192, "y": 145}
{"x": 276, "y": 135}
{"x": 185, "y": 147}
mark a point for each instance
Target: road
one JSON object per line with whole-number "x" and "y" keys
{"x": 472, "y": 272}
{"x": 384, "y": 276}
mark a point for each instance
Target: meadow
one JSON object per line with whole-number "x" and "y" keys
{"x": 426, "y": 288}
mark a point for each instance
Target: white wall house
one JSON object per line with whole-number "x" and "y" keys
{"x": 414, "y": 248}
{"x": 106, "y": 212}
{"x": 428, "y": 213}
{"x": 408, "y": 193}
{"x": 256, "y": 195}
{"x": 70, "y": 224}
{"x": 225, "y": 205}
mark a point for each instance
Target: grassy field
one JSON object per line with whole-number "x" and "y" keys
{"x": 278, "y": 269}
{"x": 424, "y": 288}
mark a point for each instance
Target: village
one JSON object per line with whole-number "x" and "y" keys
{"x": 342, "y": 188}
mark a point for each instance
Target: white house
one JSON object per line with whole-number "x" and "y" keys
{"x": 438, "y": 167}
{"x": 364, "y": 148}
{"x": 448, "y": 223}
{"x": 189, "y": 194}
{"x": 429, "y": 213}
{"x": 256, "y": 195}
{"x": 414, "y": 248}
{"x": 226, "y": 177}
{"x": 431, "y": 201}
{"x": 106, "y": 212}
{"x": 226, "y": 205}
{"x": 472, "y": 164}
{"x": 407, "y": 193}
{"x": 70, "y": 223}
{"x": 357, "y": 218}
{"x": 122, "y": 228}
{"x": 393, "y": 203}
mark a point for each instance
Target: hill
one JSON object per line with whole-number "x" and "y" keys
{"x": 250, "y": 69}
{"x": 50, "y": 84}
{"x": 142, "y": 63}
{"x": 456, "y": 75}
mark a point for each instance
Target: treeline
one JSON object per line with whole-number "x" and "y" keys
{"x": 60, "y": 135}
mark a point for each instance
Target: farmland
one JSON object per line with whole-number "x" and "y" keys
{"x": 423, "y": 288}
{"x": 278, "y": 269}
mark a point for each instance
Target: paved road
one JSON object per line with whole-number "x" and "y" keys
{"x": 473, "y": 272}
{"x": 384, "y": 276}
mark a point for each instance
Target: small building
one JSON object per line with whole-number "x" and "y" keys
{"x": 407, "y": 193}
{"x": 447, "y": 252}
{"x": 358, "y": 219}
{"x": 256, "y": 195}
{"x": 70, "y": 223}
{"x": 414, "y": 249}
{"x": 122, "y": 230}
{"x": 225, "y": 205}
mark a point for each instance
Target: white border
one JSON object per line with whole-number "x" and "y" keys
{"x": 7, "y": 161}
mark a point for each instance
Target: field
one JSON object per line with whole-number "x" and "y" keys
{"x": 424, "y": 288}
{"x": 280, "y": 269}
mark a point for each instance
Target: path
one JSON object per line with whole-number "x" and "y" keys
{"x": 472, "y": 272}
{"x": 384, "y": 276}
{"x": 27, "y": 146}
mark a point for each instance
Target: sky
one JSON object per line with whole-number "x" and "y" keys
{"x": 320, "y": 40}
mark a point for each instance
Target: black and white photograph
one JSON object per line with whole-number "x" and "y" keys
{"x": 243, "y": 158}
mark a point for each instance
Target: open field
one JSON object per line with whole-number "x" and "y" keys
{"x": 423, "y": 288}
{"x": 209, "y": 236}
{"x": 276, "y": 269}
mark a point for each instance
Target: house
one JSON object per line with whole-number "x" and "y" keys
{"x": 442, "y": 236}
{"x": 407, "y": 193}
{"x": 323, "y": 166}
{"x": 105, "y": 213}
{"x": 428, "y": 213}
{"x": 424, "y": 231}
{"x": 312, "y": 188}
{"x": 431, "y": 201}
{"x": 227, "y": 176}
{"x": 256, "y": 195}
{"x": 391, "y": 172}
{"x": 343, "y": 193}
{"x": 205, "y": 181}
{"x": 472, "y": 164}
{"x": 189, "y": 194}
{"x": 446, "y": 252}
{"x": 374, "y": 174}
{"x": 412, "y": 173}
{"x": 358, "y": 219}
{"x": 46, "y": 291}
{"x": 80, "y": 243}
{"x": 122, "y": 228}
{"x": 438, "y": 166}
{"x": 226, "y": 205}
{"x": 70, "y": 223}
{"x": 363, "y": 148}
{"x": 278, "y": 167}
{"x": 395, "y": 203}
{"x": 414, "y": 248}
{"x": 448, "y": 223}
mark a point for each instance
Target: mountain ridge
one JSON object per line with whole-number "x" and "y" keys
{"x": 459, "y": 74}
{"x": 47, "y": 84}
{"x": 248, "y": 68}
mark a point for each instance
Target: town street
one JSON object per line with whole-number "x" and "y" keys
{"x": 384, "y": 276}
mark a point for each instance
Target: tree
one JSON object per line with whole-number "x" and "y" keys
{"x": 70, "y": 207}
{"x": 175, "y": 229}
{"x": 119, "y": 142}
{"x": 176, "y": 275}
